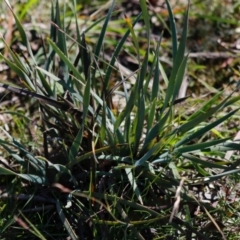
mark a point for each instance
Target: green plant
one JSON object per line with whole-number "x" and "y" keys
{"x": 117, "y": 172}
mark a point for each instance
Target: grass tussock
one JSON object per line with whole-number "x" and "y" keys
{"x": 101, "y": 136}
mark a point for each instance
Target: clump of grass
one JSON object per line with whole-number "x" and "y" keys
{"x": 111, "y": 173}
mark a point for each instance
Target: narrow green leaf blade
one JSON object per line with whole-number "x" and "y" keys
{"x": 201, "y": 117}
{"x": 134, "y": 184}
{"x": 205, "y": 129}
{"x": 199, "y": 146}
{"x": 103, "y": 30}
{"x": 143, "y": 4}
{"x": 116, "y": 53}
{"x": 205, "y": 164}
{"x": 140, "y": 122}
{"x": 173, "y": 30}
{"x": 67, "y": 61}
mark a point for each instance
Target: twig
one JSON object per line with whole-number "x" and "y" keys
{"x": 27, "y": 197}
{"x": 177, "y": 201}
{"x": 213, "y": 55}
{"x": 39, "y": 209}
